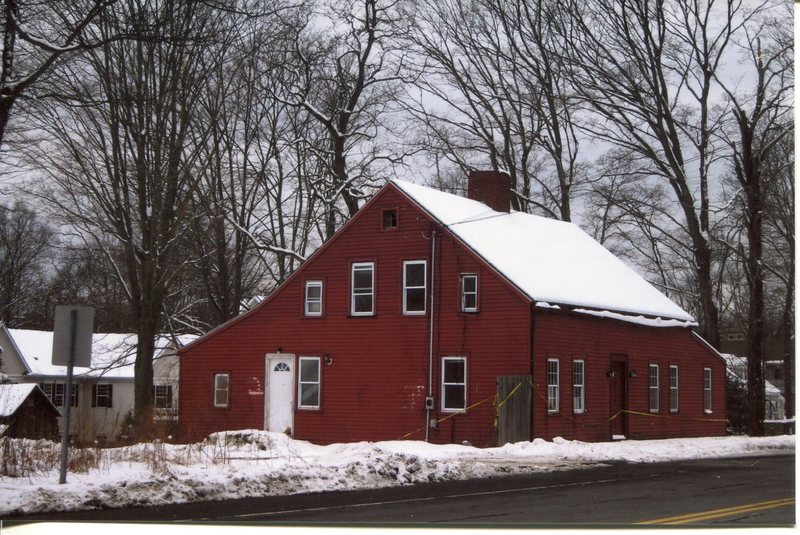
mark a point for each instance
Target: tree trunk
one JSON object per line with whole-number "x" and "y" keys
{"x": 788, "y": 344}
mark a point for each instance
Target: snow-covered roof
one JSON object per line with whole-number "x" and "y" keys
{"x": 552, "y": 262}
{"x": 12, "y": 396}
{"x": 733, "y": 361}
{"x": 113, "y": 354}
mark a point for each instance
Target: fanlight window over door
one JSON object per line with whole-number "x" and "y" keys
{"x": 282, "y": 367}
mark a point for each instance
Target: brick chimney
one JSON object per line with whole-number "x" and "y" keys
{"x": 492, "y": 188}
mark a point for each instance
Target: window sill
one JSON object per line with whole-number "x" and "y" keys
{"x": 706, "y": 411}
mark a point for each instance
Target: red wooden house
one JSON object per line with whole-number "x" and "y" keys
{"x": 432, "y": 316}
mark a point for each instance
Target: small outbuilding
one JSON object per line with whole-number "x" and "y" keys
{"x": 27, "y": 412}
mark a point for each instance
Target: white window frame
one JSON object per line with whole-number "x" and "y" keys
{"x": 218, "y": 389}
{"x": 424, "y": 287}
{"x": 708, "y": 400}
{"x": 308, "y": 301}
{"x": 301, "y": 383}
{"x": 674, "y": 388}
{"x": 653, "y": 388}
{"x": 445, "y": 386}
{"x": 464, "y": 293}
{"x": 166, "y": 395}
{"x": 579, "y": 386}
{"x": 362, "y": 266}
{"x": 553, "y": 385}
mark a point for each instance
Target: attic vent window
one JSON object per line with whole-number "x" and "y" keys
{"x": 390, "y": 219}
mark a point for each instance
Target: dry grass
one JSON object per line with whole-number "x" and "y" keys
{"x": 30, "y": 458}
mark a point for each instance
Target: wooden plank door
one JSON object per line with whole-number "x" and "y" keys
{"x": 513, "y": 409}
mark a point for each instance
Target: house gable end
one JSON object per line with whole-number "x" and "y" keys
{"x": 297, "y": 274}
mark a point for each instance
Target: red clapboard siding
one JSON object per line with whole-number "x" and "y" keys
{"x": 375, "y": 385}
{"x": 571, "y": 336}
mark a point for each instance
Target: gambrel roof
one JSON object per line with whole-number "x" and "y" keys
{"x": 554, "y": 263}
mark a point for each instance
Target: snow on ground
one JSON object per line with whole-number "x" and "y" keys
{"x": 241, "y": 464}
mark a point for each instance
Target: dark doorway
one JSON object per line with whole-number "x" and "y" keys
{"x": 618, "y": 398}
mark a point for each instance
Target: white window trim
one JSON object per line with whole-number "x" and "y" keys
{"x": 227, "y": 390}
{"x": 464, "y": 384}
{"x": 424, "y": 288}
{"x": 464, "y": 307}
{"x": 554, "y": 387}
{"x": 651, "y": 388}
{"x": 358, "y": 266}
{"x": 168, "y": 397}
{"x": 300, "y": 383}
{"x": 582, "y": 386}
{"x": 307, "y": 301}
{"x": 675, "y": 389}
{"x": 708, "y": 408}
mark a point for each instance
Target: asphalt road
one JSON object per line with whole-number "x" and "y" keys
{"x": 723, "y": 492}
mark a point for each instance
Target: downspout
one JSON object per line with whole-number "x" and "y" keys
{"x": 430, "y": 337}
{"x": 532, "y": 342}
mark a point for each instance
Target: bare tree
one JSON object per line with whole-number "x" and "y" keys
{"x": 759, "y": 122}
{"x": 779, "y": 251}
{"x": 25, "y": 245}
{"x": 646, "y": 70}
{"x": 344, "y": 75}
{"x": 35, "y": 36}
{"x": 122, "y": 161}
{"x": 493, "y": 91}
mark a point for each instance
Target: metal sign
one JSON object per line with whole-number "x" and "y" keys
{"x": 72, "y": 332}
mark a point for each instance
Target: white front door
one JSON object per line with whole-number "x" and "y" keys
{"x": 280, "y": 387}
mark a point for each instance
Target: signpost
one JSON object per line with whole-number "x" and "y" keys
{"x": 72, "y": 346}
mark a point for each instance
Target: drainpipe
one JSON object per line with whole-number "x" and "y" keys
{"x": 428, "y": 409}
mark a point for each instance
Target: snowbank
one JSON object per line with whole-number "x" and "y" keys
{"x": 258, "y": 463}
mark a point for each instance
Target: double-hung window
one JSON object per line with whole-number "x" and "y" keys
{"x": 222, "y": 387}
{"x": 308, "y": 383}
{"x": 578, "y": 386}
{"x": 707, "y": 405}
{"x": 469, "y": 293}
{"x": 673, "y": 388}
{"x": 414, "y": 286}
{"x": 390, "y": 219}
{"x": 653, "y": 382}
{"x": 363, "y": 289}
{"x": 54, "y": 391}
{"x": 313, "y": 298}
{"x": 162, "y": 396}
{"x": 553, "y": 385}
{"x": 102, "y": 395}
{"x": 454, "y": 384}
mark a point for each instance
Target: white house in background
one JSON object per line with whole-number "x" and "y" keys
{"x": 102, "y": 395}
{"x": 774, "y": 406}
